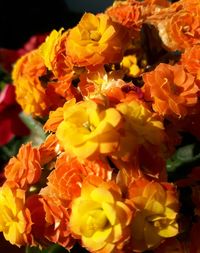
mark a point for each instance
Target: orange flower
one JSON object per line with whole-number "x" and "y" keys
{"x": 15, "y": 220}
{"x": 55, "y": 118}
{"x": 184, "y": 28}
{"x": 128, "y": 14}
{"x": 100, "y": 217}
{"x": 190, "y": 60}
{"x": 50, "y": 221}
{"x": 53, "y": 52}
{"x": 161, "y": 3}
{"x": 179, "y": 24}
{"x": 155, "y": 218}
{"x": 96, "y": 40}
{"x": 65, "y": 180}
{"x": 30, "y": 93}
{"x": 24, "y": 169}
{"x": 172, "y": 90}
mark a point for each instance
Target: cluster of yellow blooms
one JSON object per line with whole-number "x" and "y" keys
{"x": 100, "y": 178}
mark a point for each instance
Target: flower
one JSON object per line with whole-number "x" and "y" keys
{"x": 90, "y": 129}
{"x": 50, "y": 221}
{"x": 128, "y": 14}
{"x": 15, "y": 220}
{"x": 53, "y": 52}
{"x": 30, "y": 93}
{"x": 172, "y": 90}
{"x": 118, "y": 168}
{"x": 141, "y": 128}
{"x": 24, "y": 169}
{"x": 101, "y": 223}
{"x": 94, "y": 38}
{"x": 65, "y": 181}
{"x": 190, "y": 60}
{"x": 10, "y": 126}
{"x": 183, "y": 27}
{"x": 143, "y": 123}
{"x": 178, "y": 25}
{"x": 157, "y": 208}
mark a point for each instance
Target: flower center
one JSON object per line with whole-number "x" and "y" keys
{"x": 95, "y": 220}
{"x": 95, "y": 35}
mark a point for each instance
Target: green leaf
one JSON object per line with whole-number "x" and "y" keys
{"x": 37, "y": 135}
{"x": 182, "y": 162}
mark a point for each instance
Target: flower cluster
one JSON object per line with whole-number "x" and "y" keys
{"x": 114, "y": 113}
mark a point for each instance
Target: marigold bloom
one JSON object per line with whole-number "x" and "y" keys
{"x": 24, "y": 169}
{"x": 65, "y": 181}
{"x": 100, "y": 217}
{"x": 15, "y": 220}
{"x": 155, "y": 219}
{"x": 88, "y": 130}
{"x": 172, "y": 90}
{"x": 96, "y": 40}
{"x": 30, "y": 93}
{"x": 50, "y": 221}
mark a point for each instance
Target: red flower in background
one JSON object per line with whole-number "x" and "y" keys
{"x": 10, "y": 123}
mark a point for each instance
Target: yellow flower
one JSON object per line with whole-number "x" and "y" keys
{"x": 47, "y": 49}
{"x": 144, "y": 124}
{"x": 155, "y": 218}
{"x": 96, "y": 40}
{"x": 100, "y": 217}
{"x": 129, "y": 63}
{"x": 88, "y": 130}
{"x": 142, "y": 128}
{"x": 15, "y": 221}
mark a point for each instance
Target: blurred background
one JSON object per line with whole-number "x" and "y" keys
{"x": 19, "y": 19}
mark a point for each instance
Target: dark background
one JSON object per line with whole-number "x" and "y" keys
{"x": 19, "y": 19}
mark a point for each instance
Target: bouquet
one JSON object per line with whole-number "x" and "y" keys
{"x": 118, "y": 169}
